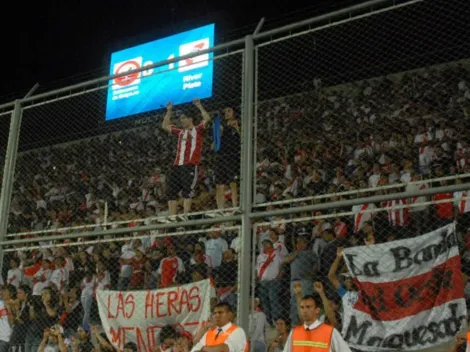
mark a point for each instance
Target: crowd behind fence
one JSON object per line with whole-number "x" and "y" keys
{"x": 357, "y": 129}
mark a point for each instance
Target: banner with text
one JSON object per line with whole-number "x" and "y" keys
{"x": 138, "y": 316}
{"x": 410, "y": 293}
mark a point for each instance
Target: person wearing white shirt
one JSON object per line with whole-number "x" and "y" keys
{"x": 215, "y": 247}
{"x": 278, "y": 244}
{"x": 312, "y": 330}
{"x": 268, "y": 268}
{"x": 87, "y": 286}
{"x": 5, "y": 328}
{"x": 60, "y": 275}
{"x": 63, "y": 252}
{"x": 257, "y": 328}
{"x": 41, "y": 278}
{"x": 236, "y": 243}
{"x": 225, "y": 337}
{"x": 126, "y": 261}
{"x": 15, "y": 274}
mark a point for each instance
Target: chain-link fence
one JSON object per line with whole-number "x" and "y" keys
{"x": 147, "y": 287}
{"x": 5, "y": 119}
{"x": 132, "y": 226}
{"x": 369, "y": 101}
{"x": 365, "y": 105}
{"x": 77, "y": 169}
{"x": 383, "y": 270}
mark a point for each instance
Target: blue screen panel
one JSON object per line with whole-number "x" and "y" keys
{"x": 178, "y": 83}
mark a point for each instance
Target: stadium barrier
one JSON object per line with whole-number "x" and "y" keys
{"x": 339, "y": 142}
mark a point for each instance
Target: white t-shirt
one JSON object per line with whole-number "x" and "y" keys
{"x": 87, "y": 287}
{"x": 215, "y": 248}
{"x": 39, "y": 286}
{"x": 257, "y": 326}
{"x": 126, "y": 269}
{"x": 105, "y": 281}
{"x": 69, "y": 264}
{"x": 14, "y": 277}
{"x": 5, "y": 329}
{"x": 59, "y": 278}
{"x": 235, "y": 245}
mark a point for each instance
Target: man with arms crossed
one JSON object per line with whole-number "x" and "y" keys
{"x": 312, "y": 335}
{"x": 183, "y": 175}
{"x": 225, "y": 337}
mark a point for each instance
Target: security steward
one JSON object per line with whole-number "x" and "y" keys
{"x": 314, "y": 336}
{"x": 225, "y": 337}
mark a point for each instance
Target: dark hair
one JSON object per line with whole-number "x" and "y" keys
{"x": 25, "y": 288}
{"x": 11, "y": 289}
{"x": 224, "y": 305}
{"x": 131, "y": 346}
{"x": 315, "y": 298}
{"x": 168, "y": 332}
{"x": 285, "y": 320}
{"x": 201, "y": 269}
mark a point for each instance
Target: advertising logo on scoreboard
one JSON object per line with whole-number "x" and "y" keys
{"x": 151, "y": 89}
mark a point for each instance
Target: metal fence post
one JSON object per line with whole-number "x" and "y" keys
{"x": 9, "y": 173}
{"x": 247, "y": 180}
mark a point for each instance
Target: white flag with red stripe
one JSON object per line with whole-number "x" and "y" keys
{"x": 411, "y": 293}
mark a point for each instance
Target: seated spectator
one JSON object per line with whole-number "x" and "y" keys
{"x": 282, "y": 330}
{"x": 82, "y": 343}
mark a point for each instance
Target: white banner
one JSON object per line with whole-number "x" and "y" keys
{"x": 138, "y": 316}
{"x": 411, "y": 293}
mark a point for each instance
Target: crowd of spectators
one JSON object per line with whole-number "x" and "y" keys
{"x": 368, "y": 134}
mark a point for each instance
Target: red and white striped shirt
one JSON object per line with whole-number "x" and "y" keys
{"x": 361, "y": 217}
{"x": 397, "y": 217}
{"x": 341, "y": 230}
{"x": 189, "y": 145}
{"x": 462, "y": 204}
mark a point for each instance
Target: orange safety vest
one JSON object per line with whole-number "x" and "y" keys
{"x": 316, "y": 340}
{"x": 223, "y": 336}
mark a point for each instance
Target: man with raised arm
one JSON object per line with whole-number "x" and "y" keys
{"x": 183, "y": 174}
{"x": 313, "y": 335}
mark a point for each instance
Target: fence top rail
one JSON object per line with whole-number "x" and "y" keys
{"x": 352, "y": 213}
{"x": 362, "y": 190}
{"x": 120, "y": 239}
{"x": 9, "y": 105}
{"x": 311, "y": 21}
{"x": 359, "y": 201}
{"x": 96, "y": 81}
{"x": 125, "y": 230}
{"x": 162, "y": 218}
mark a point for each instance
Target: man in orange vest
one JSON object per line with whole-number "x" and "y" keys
{"x": 314, "y": 336}
{"x": 225, "y": 337}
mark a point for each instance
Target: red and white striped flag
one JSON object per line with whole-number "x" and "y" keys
{"x": 411, "y": 293}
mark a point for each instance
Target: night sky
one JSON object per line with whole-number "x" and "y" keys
{"x": 56, "y": 42}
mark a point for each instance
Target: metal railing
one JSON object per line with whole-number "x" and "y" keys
{"x": 284, "y": 84}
